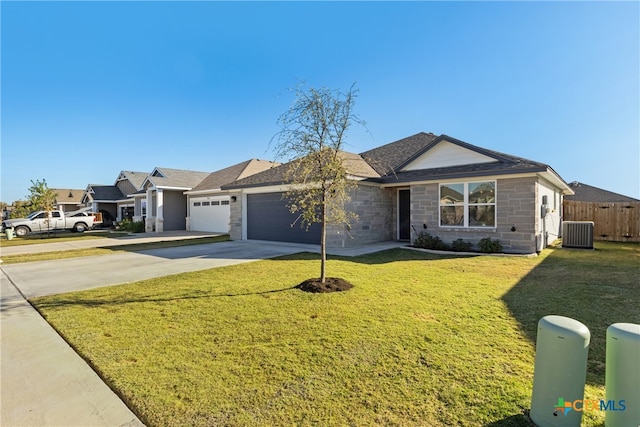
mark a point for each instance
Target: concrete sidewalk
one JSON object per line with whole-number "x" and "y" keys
{"x": 44, "y": 382}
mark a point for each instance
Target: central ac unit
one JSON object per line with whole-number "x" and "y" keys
{"x": 577, "y": 234}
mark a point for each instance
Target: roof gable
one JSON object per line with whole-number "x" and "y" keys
{"x": 135, "y": 178}
{"x": 68, "y": 196}
{"x": 215, "y": 180}
{"x": 443, "y": 153}
{"x": 388, "y": 158}
{"x": 174, "y": 178}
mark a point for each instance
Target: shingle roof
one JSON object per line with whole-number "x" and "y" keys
{"x": 136, "y": 178}
{"x": 588, "y": 193}
{"x": 354, "y": 164}
{"x": 177, "y": 178}
{"x": 384, "y": 164}
{"x": 68, "y": 196}
{"x": 105, "y": 192}
{"x": 216, "y": 180}
{"x": 389, "y": 157}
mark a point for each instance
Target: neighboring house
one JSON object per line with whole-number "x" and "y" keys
{"x": 111, "y": 200}
{"x": 208, "y": 206}
{"x": 161, "y": 203}
{"x": 103, "y": 199}
{"x": 68, "y": 200}
{"x": 438, "y": 184}
{"x": 128, "y": 182}
{"x": 588, "y": 193}
{"x": 615, "y": 217}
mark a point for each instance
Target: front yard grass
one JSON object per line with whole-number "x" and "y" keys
{"x": 422, "y": 339}
{"x": 58, "y": 237}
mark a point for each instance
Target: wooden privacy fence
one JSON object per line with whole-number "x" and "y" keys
{"x": 618, "y": 222}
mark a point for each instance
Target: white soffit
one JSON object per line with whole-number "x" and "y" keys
{"x": 446, "y": 154}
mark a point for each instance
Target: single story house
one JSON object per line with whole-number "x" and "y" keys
{"x": 68, "y": 200}
{"x": 208, "y": 205}
{"x": 438, "y": 184}
{"x": 111, "y": 200}
{"x": 588, "y": 193}
{"x": 161, "y": 202}
{"x": 616, "y": 217}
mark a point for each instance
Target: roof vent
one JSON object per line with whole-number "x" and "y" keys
{"x": 70, "y": 194}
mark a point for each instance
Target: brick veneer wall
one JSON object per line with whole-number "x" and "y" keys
{"x": 515, "y": 207}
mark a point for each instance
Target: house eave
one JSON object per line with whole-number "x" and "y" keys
{"x": 197, "y": 192}
{"x": 459, "y": 176}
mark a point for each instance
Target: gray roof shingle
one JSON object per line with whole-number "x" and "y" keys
{"x": 389, "y": 157}
{"x": 177, "y": 178}
{"x": 105, "y": 192}
{"x": 216, "y": 180}
{"x": 588, "y": 193}
{"x": 354, "y": 164}
{"x": 136, "y": 178}
{"x": 384, "y": 164}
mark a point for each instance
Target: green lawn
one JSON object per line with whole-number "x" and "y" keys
{"x": 421, "y": 339}
{"x": 64, "y": 236}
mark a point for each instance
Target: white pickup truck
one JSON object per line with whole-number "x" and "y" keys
{"x": 46, "y": 221}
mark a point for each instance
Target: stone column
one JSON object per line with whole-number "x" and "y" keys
{"x": 159, "y": 210}
{"x": 150, "y": 221}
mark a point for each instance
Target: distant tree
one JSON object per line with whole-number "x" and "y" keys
{"x": 41, "y": 196}
{"x": 312, "y": 137}
{"x": 20, "y": 209}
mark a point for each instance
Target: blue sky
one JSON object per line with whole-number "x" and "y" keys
{"x": 93, "y": 88}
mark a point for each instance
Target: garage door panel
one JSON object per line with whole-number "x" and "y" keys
{"x": 210, "y": 214}
{"x": 268, "y": 218}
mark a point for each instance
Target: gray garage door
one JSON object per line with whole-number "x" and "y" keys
{"x": 268, "y": 218}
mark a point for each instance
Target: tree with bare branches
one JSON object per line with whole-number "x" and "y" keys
{"x": 312, "y": 138}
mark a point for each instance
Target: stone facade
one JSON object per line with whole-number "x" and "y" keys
{"x": 375, "y": 208}
{"x": 515, "y": 215}
{"x": 235, "y": 216}
{"x": 518, "y": 224}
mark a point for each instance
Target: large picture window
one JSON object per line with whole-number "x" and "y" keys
{"x": 468, "y": 204}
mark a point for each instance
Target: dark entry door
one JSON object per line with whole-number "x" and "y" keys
{"x": 404, "y": 215}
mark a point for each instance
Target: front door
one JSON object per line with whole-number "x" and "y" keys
{"x": 404, "y": 215}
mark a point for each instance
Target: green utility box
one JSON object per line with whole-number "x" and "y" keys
{"x": 622, "y": 376}
{"x": 562, "y": 347}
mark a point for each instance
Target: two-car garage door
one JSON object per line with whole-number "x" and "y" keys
{"x": 209, "y": 214}
{"x": 268, "y": 218}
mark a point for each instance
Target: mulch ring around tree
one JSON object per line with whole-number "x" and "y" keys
{"x": 331, "y": 284}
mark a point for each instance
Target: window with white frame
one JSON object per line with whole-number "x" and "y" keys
{"x": 468, "y": 204}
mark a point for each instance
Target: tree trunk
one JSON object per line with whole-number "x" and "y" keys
{"x": 323, "y": 241}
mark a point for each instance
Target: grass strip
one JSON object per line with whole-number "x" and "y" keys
{"x": 422, "y": 339}
{"x": 133, "y": 247}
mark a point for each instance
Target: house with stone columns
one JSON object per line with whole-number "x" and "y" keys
{"x": 425, "y": 182}
{"x": 112, "y": 200}
{"x": 161, "y": 202}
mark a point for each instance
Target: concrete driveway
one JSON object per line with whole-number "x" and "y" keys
{"x": 73, "y": 274}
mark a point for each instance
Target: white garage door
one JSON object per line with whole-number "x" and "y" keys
{"x": 209, "y": 214}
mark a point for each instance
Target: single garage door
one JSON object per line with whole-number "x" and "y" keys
{"x": 209, "y": 214}
{"x": 268, "y": 218}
